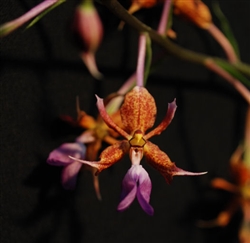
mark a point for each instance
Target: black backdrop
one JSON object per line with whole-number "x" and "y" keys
{"x": 41, "y": 74}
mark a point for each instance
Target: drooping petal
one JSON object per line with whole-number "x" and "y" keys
{"x": 90, "y": 62}
{"x": 136, "y": 175}
{"x": 128, "y": 191}
{"x": 166, "y": 121}
{"x": 138, "y": 110}
{"x": 69, "y": 175}
{"x": 60, "y": 156}
{"x": 144, "y": 191}
{"x": 108, "y": 120}
{"x": 160, "y": 161}
{"x": 108, "y": 157}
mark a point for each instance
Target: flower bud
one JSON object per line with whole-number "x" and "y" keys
{"x": 88, "y": 30}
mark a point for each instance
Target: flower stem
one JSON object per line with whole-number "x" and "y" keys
{"x": 223, "y": 41}
{"x": 210, "y": 64}
{"x": 141, "y": 60}
{"x": 10, "y": 26}
{"x": 164, "y": 18}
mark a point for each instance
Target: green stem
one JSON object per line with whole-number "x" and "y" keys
{"x": 164, "y": 42}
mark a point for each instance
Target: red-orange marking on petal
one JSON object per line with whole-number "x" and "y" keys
{"x": 159, "y": 160}
{"x": 108, "y": 120}
{"x": 108, "y": 157}
{"x": 166, "y": 121}
{"x": 138, "y": 110}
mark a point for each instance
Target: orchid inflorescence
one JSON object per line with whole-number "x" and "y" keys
{"x": 131, "y": 111}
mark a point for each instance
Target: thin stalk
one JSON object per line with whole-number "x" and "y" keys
{"x": 224, "y": 43}
{"x": 141, "y": 60}
{"x": 164, "y": 18}
{"x": 211, "y": 65}
{"x": 10, "y": 26}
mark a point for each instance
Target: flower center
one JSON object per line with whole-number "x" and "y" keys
{"x": 137, "y": 140}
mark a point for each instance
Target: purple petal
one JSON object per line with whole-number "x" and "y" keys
{"x": 69, "y": 175}
{"x": 128, "y": 191}
{"x": 136, "y": 174}
{"x": 60, "y": 156}
{"x": 144, "y": 191}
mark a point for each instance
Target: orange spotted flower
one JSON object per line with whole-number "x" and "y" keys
{"x": 138, "y": 114}
{"x": 195, "y": 11}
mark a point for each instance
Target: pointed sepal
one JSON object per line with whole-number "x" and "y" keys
{"x": 138, "y": 110}
{"x": 108, "y": 157}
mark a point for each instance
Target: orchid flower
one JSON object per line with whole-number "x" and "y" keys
{"x": 138, "y": 115}
{"x": 86, "y": 146}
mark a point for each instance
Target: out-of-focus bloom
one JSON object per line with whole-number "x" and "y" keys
{"x": 195, "y": 11}
{"x": 138, "y": 115}
{"x": 10, "y": 26}
{"x": 241, "y": 189}
{"x": 240, "y": 170}
{"x": 60, "y": 157}
{"x": 88, "y": 29}
{"x": 96, "y": 131}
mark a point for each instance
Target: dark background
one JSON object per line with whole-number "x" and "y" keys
{"x": 41, "y": 74}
